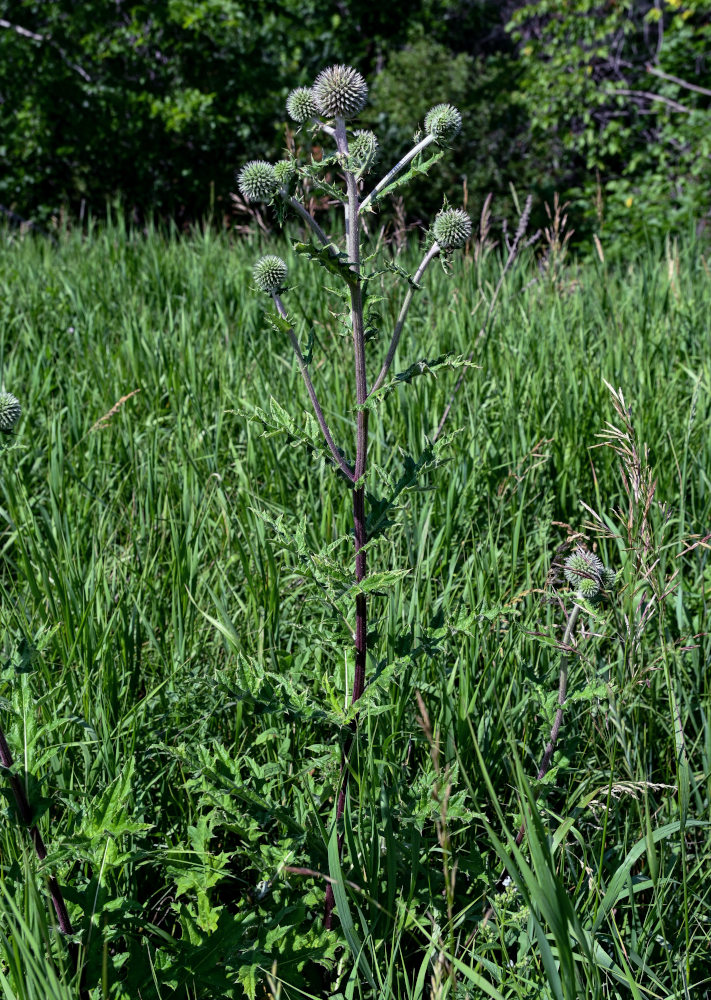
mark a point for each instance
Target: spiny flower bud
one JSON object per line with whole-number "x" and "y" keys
{"x": 585, "y": 572}
{"x": 269, "y": 274}
{"x": 452, "y": 228}
{"x": 363, "y": 150}
{"x": 300, "y": 105}
{"x": 10, "y": 411}
{"x": 340, "y": 92}
{"x": 443, "y": 121}
{"x": 284, "y": 170}
{"x": 257, "y": 180}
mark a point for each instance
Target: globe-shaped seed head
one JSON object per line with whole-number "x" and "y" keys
{"x": 443, "y": 121}
{"x": 585, "y": 572}
{"x": 452, "y": 228}
{"x": 284, "y": 170}
{"x": 364, "y": 149}
{"x": 10, "y": 411}
{"x": 257, "y": 180}
{"x": 300, "y": 105}
{"x": 270, "y": 274}
{"x": 340, "y": 92}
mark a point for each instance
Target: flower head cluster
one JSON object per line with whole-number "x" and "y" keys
{"x": 270, "y": 274}
{"x": 586, "y": 572}
{"x": 257, "y": 180}
{"x": 452, "y": 228}
{"x": 300, "y": 105}
{"x": 340, "y": 92}
{"x": 10, "y": 411}
{"x": 443, "y": 122}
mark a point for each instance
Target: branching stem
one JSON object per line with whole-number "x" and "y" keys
{"x": 431, "y": 253}
{"x": 303, "y": 368}
{"x": 392, "y": 174}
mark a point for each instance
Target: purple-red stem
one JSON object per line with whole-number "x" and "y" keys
{"x": 359, "y": 529}
{"x": 25, "y": 814}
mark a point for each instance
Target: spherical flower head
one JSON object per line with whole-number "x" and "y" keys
{"x": 364, "y": 150}
{"x": 257, "y": 180}
{"x": 452, "y": 228}
{"x": 270, "y": 274}
{"x": 300, "y": 105}
{"x": 443, "y": 121}
{"x": 284, "y": 170}
{"x": 10, "y": 411}
{"x": 340, "y": 92}
{"x": 585, "y": 572}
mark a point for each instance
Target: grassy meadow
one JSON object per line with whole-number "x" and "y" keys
{"x": 176, "y": 659}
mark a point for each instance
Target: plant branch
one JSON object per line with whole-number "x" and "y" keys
{"x": 678, "y": 80}
{"x": 513, "y": 249}
{"x": 25, "y": 33}
{"x": 308, "y": 219}
{"x": 392, "y": 174}
{"x": 303, "y": 368}
{"x": 651, "y": 96}
{"x": 431, "y": 253}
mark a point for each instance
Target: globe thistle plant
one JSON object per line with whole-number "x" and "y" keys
{"x": 300, "y": 105}
{"x": 587, "y": 574}
{"x": 257, "y": 181}
{"x": 270, "y": 274}
{"x": 452, "y": 228}
{"x": 10, "y": 412}
{"x": 338, "y": 95}
{"x": 443, "y": 122}
{"x": 340, "y": 92}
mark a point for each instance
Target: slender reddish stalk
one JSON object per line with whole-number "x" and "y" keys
{"x": 359, "y": 524}
{"x": 25, "y": 813}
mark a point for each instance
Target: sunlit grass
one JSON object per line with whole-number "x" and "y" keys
{"x": 180, "y": 712}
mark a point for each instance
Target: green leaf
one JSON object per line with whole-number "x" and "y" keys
{"x": 334, "y": 262}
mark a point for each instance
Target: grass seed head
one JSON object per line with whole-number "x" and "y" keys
{"x": 10, "y": 411}
{"x": 340, "y": 92}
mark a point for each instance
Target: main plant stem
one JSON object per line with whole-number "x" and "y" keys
{"x": 25, "y": 813}
{"x": 359, "y": 526}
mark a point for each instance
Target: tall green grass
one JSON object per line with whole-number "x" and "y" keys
{"x": 173, "y": 681}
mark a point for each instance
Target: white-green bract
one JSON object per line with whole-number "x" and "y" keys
{"x": 10, "y": 411}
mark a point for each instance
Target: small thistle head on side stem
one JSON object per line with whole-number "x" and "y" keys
{"x": 452, "y": 228}
{"x": 300, "y": 105}
{"x": 586, "y": 572}
{"x": 10, "y": 412}
{"x": 270, "y": 274}
{"x": 257, "y": 180}
{"x": 443, "y": 122}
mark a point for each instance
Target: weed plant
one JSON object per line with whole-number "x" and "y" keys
{"x": 168, "y": 663}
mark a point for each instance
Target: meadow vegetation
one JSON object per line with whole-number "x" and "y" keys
{"x": 176, "y": 674}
